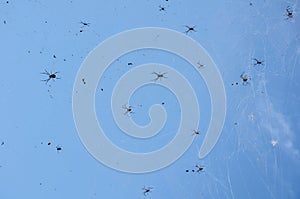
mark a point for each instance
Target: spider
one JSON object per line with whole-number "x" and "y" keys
{"x": 245, "y": 79}
{"x": 200, "y": 65}
{"x": 196, "y": 132}
{"x": 84, "y": 24}
{"x": 289, "y": 13}
{"x": 128, "y": 109}
{"x": 50, "y": 76}
{"x": 147, "y": 190}
{"x": 258, "y": 62}
{"x": 159, "y": 76}
{"x": 161, "y": 8}
{"x": 190, "y": 29}
{"x": 199, "y": 168}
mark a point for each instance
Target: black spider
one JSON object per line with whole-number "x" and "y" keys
{"x": 84, "y": 24}
{"x": 51, "y": 75}
{"x": 190, "y": 29}
{"x": 258, "y": 62}
{"x": 147, "y": 190}
{"x": 245, "y": 79}
{"x": 161, "y": 8}
{"x": 289, "y": 13}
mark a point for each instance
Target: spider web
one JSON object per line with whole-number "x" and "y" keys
{"x": 257, "y": 155}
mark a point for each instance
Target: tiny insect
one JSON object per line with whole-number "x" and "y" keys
{"x": 289, "y": 13}
{"x": 147, "y": 190}
{"x": 159, "y": 76}
{"x": 258, "y": 62}
{"x": 51, "y": 75}
{"x": 190, "y": 29}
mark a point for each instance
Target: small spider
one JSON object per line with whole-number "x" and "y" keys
{"x": 128, "y": 109}
{"x": 147, "y": 190}
{"x": 245, "y": 79}
{"x": 199, "y": 168}
{"x": 258, "y": 62}
{"x": 161, "y": 8}
{"x": 50, "y": 76}
{"x": 289, "y": 13}
{"x": 159, "y": 76}
{"x": 200, "y": 65}
{"x": 190, "y": 29}
{"x": 196, "y": 132}
{"x": 84, "y": 24}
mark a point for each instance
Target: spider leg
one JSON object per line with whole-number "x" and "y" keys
{"x": 46, "y": 80}
{"x": 45, "y": 73}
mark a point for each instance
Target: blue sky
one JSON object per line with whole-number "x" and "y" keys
{"x": 243, "y": 164}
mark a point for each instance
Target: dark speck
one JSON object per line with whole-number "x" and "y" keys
{"x": 162, "y": 103}
{"x": 7, "y": 2}
{"x": 2, "y": 143}
{"x": 187, "y": 170}
{"x": 58, "y": 148}
{"x": 129, "y": 64}
{"x": 4, "y": 22}
{"x": 54, "y": 56}
{"x": 49, "y": 143}
{"x": 101, "y": 89}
